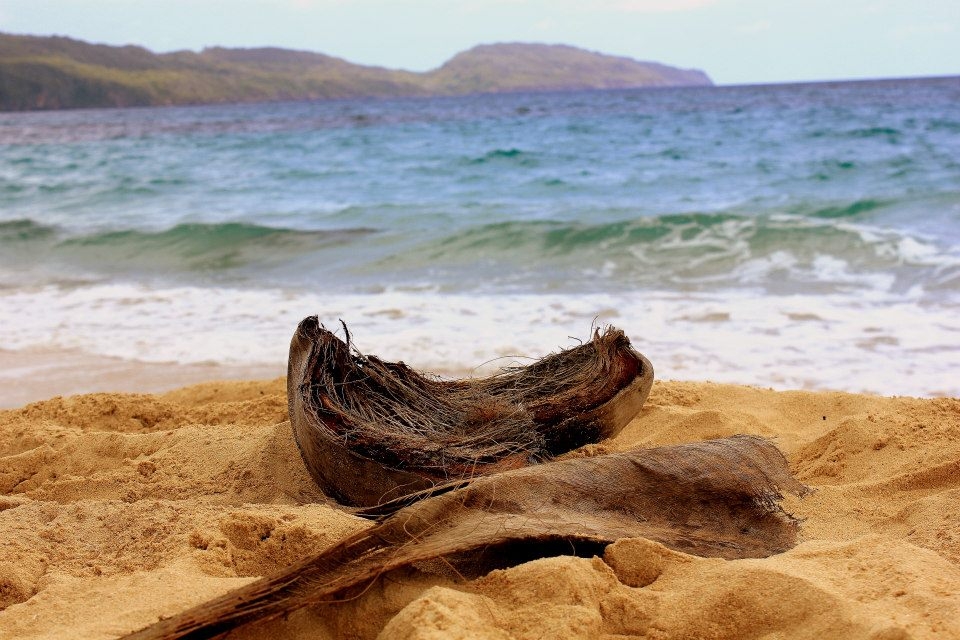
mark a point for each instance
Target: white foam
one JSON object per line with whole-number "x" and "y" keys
{"x": 759, "y": 270}
{"x": 874, "y": 343}
{"x": 893, "y": 245}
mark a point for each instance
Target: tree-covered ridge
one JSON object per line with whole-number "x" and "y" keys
{"x": 58, "y": 73}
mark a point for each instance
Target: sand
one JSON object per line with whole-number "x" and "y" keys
{"x": 116, "y": 509}
{"x": 29, "y": 375}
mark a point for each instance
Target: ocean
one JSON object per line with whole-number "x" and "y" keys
{"x": 788, "y": 236}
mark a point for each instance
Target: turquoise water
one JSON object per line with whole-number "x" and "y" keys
{"x": 788, "y": 236}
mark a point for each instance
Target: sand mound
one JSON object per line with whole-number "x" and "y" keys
{"x": 116, "y": 509}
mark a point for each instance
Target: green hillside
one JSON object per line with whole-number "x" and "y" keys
{"x": 60, "y": 73}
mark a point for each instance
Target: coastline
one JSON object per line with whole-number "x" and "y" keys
{"x": 31, "y": 375}
{"x": 153, "y": 503}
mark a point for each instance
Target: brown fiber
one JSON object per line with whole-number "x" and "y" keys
{"x": 460, "y": 473}
{"x": 370, "y": 430}
{"x": 713, "y": 498}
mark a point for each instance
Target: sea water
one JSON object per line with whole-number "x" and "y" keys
{"x": 793, "y": 236}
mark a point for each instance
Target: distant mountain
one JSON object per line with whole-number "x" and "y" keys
{"x": 495, "y": 68}
{"x": 60, "y": 73}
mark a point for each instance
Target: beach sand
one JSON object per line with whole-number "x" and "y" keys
{"x": 29, "y": 375}
{"x": 116, "y": 509}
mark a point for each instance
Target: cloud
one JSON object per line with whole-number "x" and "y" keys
{"x": 546, "y": 24}
{"x": 652, "y": 6}
{"x": 758, "y": 26}
{"x": 921, "y": 30}
{"x": 473, "y": 6}
{"x": 313, "y": 4}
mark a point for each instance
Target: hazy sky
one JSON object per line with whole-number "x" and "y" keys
{"x": 735, "y": 41}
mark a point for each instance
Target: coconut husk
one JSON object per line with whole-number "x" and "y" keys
{"x": 715, "y": 498}
{"x": 370, "y": 430}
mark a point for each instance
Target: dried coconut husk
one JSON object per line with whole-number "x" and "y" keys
{"x": 716, "y": 498}
{"x": 370, "y": 430}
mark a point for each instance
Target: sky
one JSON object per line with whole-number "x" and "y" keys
{"x": 734, "y": 41}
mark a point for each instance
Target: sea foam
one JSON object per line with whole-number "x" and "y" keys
{"x": 882, "y": 345}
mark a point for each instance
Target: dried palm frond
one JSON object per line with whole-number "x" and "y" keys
{"x": 715, "y": 498}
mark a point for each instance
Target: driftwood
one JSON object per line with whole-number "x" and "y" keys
{"x": 714, "y": 498}
{"x": 370, "y": 431}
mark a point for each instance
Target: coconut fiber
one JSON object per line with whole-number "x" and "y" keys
{"x": 716, "y": 498}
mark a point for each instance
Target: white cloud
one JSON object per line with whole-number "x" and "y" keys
{"x": 314, "y": 4}
{"x": 546, "y": 24}
{"x": 624, "y": 6}
{"x": 652, "y": 6}
{"x": 473, "y": 6}
{"x": 751, "y": 28}
{"x": 920, "y": 30}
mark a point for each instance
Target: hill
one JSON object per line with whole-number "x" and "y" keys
{"x": 59, "y": 73}
{"x": 494, "y": 68}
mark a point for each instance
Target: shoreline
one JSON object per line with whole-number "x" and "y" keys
{"x": 33, "y": 375}
{"x": 157, "y": 502}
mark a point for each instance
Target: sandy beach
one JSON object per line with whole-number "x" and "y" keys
{"x": 783, "y": 247}
{"x": 117, "y": 509}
